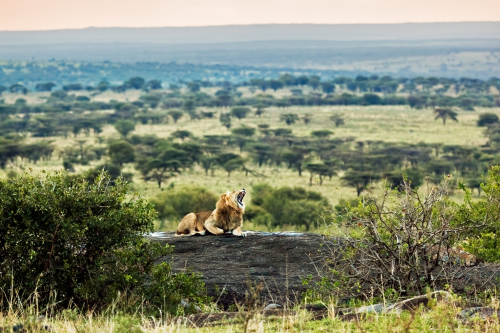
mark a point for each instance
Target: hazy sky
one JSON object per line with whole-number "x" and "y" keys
{"x": 63, "y": 14}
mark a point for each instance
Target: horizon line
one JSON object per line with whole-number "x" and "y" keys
{"x": 251, "y": 24}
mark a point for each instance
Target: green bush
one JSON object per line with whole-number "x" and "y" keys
{"x": 83, "y": 243}
{"x": 487, "y": 119}
{"x": 485, "y": 243}
{"x": 175, "y": 204}
{"x": 277, "y": 207}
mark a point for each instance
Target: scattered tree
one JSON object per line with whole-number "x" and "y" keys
{"x": 444, "y": 114}
{"x": 240, "y": 112}
{"x": 487, "y": 119}
{"x": 121, "y": 152}
{"x": 124, "y": 127}
{"x": 181, "y": 134}
{"x": 176, "y": 115}
{"x": 322, "y": 133}
{"x": 225, "y": 119}
{"x": 289, "y": 118}
{"x": 337, "y": 119}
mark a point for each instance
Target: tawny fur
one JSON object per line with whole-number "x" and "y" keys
{"x": 227, "y": 216}
{"x": 192, "y": 223}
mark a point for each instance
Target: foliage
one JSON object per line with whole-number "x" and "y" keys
{"x": 487, "y": 119}
{"x": 82, "y": 243}
{"x": 176, "y": 115}
{"x": 124, "y": 127}
{"x": 175, "y": 204}
{"x": 279, "y": 207}
{"x": 121, "y": 152}
{"x": 289, "y": 118}
{"x": 402, "y": 242}
{"x": 239, "y": 112}
{"x": 445, "y": 113}
{"x": 337, "y": 119}
{"x": 484, "y": 243}
{"x": 225, "y": 119}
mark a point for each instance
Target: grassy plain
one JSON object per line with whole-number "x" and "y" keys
{"x": 365, "y": 123}
{"x": 398, "y": 124}
{"x": 444, "y": 317}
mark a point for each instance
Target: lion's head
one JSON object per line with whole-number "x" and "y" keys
{"x": 233, "y": 199}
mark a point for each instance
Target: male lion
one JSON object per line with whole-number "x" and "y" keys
{"x": 227, "y": 216}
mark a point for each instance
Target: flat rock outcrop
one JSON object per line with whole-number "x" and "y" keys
{"x": 279, "y": 260}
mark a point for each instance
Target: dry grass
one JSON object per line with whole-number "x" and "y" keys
{"x": 442, "y": 318}
{"x": 373, "y": 123}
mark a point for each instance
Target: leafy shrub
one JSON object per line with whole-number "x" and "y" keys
{"x": 174, "y": 205}
{"x": 400, "y": 241}
{"x": 487, "y": 119}
{"x": 83, "y": 242}
{"x": 277, "y": 207}
{"x": 484, "y": 243}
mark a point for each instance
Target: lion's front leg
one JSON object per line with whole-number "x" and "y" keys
{"x": 210, "y": 226}
{"x": 237, "y": 232}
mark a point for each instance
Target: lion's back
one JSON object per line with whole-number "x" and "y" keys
{"x": 203, "y": 216}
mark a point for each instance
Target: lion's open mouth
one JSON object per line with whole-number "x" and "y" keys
{"x": 240, "y": 196}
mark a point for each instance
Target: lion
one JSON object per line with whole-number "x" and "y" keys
{"x": 227, "y": 217}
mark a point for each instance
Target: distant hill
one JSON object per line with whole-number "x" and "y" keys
{"x": 264, "y": 32}
{"x": 442, "y": 49}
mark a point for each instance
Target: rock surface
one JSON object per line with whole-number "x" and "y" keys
{"x": 279, "y": 260}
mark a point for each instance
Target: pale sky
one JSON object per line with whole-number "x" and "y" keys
{"x": 74, "y": 14}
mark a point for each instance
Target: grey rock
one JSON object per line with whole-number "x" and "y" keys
{"x": 186, "y": 304}
{"x": 479, "y": 312}
{"x": 374, "y": 308}
{"x": 277, "y": 260}
{"x": 414, "y": 303}
{"x": 272, "y": 306}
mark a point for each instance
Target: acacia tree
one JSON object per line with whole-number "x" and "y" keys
{"x": 337, "y": 119}
{"x": 444, "y": 114}
{"x": 307, "y": 118}
{"x": 162, "y": 167}
{"x": 260, "y": 109}
{"x": 240, "y": 112}
{"x": 262, "y": 153}
{"x": 193, "y": 87}
{"x": 319, "y": 169}
{"x": 232, "y": 165}
{"x": 242, "y": 135}
{"x": 276, "y": 84}
{"x": 123, "y": 127}
{"x": 359, "y": 179}
{"x": 487, "y": 119}
{"x": 176, "y": 115}
{"x": 225, "y": 119}
{"x": 121, "y": 152}
{"x": 321, "y": 134}
{"x": 189, "y": 106}
{"x": 314, "y": 82}
{"x": 181, "y": 134}
{"x": 289, "y": 118}
{"x": 208, "y": 163}
{"x": 230, "y": 162}
{"x": 295, "y": 158}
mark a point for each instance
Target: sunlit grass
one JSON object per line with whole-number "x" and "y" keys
{"x": 368, "y": 124}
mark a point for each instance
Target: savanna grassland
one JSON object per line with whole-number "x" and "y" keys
{"x": 310, "y": 153}
{"x": 370, "y": 125}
